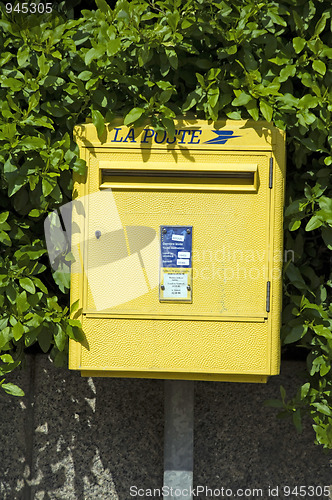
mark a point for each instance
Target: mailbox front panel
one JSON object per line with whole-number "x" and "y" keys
{"x": 224, "y": 325}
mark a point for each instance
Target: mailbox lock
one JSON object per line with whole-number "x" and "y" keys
{"x": 98, "y": 234}
{"x": 189, "y": 287}
{"x": 162, "y": 287}
{"x": 188, "y": 231}
{"x": 164, "y": 231}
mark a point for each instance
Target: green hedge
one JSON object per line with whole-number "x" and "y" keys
{"x": 157, "y": 60}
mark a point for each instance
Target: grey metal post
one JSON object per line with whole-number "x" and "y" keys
{"x": 179, "y": 438}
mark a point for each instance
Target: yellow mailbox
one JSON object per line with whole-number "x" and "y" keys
{"x": 178, "y": 248}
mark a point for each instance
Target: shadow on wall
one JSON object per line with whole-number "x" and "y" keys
{"x": 87, "y": 438}
{"x": 91, "y": 439}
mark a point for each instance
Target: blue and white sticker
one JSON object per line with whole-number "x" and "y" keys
{"x": 175, "y": 264}
{"x": 176, "y": 246}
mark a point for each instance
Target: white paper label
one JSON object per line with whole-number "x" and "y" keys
{"x": 177, "y": 237}
{"x": 175, "y": 286}
{"x": 183, "y": 255}
{"x": 182, "y": 262}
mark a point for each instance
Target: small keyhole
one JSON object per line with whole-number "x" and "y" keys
{"x": 98, "y": 234}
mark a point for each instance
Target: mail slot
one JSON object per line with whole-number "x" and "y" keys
{"x": 234, "y": 179}
{"x": 178, "y": 251}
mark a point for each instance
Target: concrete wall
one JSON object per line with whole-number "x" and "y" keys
{"x": 88, "y": 439}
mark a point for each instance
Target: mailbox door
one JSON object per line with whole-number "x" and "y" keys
{"x": 228, "y": 209}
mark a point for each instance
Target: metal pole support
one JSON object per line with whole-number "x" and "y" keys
{"x": 179, "y": 439}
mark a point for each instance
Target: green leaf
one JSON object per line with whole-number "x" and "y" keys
{"x": 27, "y": 284}
{"x": 12, "y": 389}
{"x": 252, "y": 109}
{"x": 169, "y": 125}
{"x": 296, "y": 333}
{"x": 325, "y": 203}
{"x": 4, "y": 238}
{"x": 191, "y": 100}
{"x": 22, "y": 303}
{"x": 327, "y": 236}
{"x": 323, "y": 408}
{"x": 113, "y": 46}
{"x": 173, "y": 19}
{"x": 85, "y": 75}
{"x": 40, "y": 285}
{"x": 75, "y": 333}
{"x": 62, "y": 279}
{"x": 133, "y": 115}
{"x": 48, "y": 185}
{"x": 7, "y": 358}
{"x": 266, "y": 110}
{"x": 18, "y": 331}
{"x": 276, "y": 18}
{"x": 321, "y": 23}
{"x": 45, "y": 339}
{"x": 3, "y": 217}
{"x": 43, "y": 66}
{"x": 313, "y": 223}
{"x": 172, "y": 57}
{"x": 144, "y": 55}
{"x": 94, "y": 53}
{"x": 33, "y": 101}
{"x": 297, "y": 420}
{"x": 305, "y": 389}
{"x": 60, "y": 337}
{"x": 319, "y": 67}
{"x": 61, "y": 359}
{"x": 32, "y": 142}
{"x": 234, "y": 115}
{"x": 6, "y": 335}
{"x": 294, "y": 224}
{"x": 22, "y": 55}
{"x": 308, "y": 101}
{"x": 80, "y": 166}
{"x": 98, "y": 121}
{"x": 11, "y": 293}
{"x": 12, "y": 83}
{"x": 294, "y": 274}
{"x": 75, "y": 305}
{"x": 92, "y": 83}
{"x": 241, "y": 100}
{"x": 231, "y": 50}
{"x": 298, "y": 44}
{"x": 103, "y": 6}
{"x": 324, "y": 369}
{"x": 200, "y": 80}
{"x": 286, "y": 72}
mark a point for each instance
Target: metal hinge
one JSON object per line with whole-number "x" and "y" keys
{"x": 268, "y": 288}
{"x": 271, "y": 173}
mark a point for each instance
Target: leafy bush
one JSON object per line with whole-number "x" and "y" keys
{"x": 244, "y": 59}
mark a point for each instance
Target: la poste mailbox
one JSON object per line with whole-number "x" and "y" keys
{"x": 178, "y": 248}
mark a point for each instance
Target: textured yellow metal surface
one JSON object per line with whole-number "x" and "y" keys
{"x": 215, "y": 347}
{"x": 227, "y": 194}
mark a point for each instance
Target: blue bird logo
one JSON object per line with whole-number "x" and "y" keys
{"x": 223, "y": 136}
